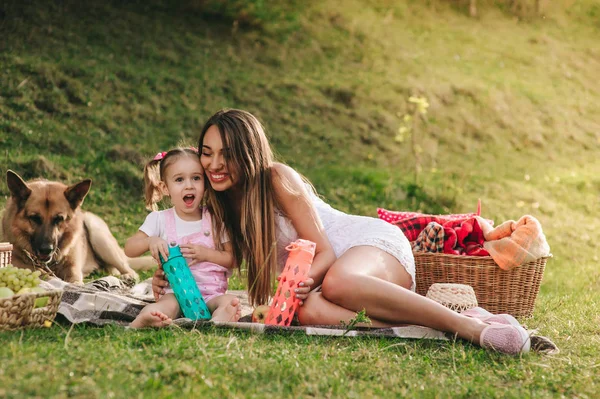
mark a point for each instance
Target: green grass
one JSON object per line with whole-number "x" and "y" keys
{"x": 218, "y": 364}
{"x": 94, "y": 90}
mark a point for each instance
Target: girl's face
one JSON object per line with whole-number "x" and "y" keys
{"x": 214, "y": 160}
{"x": 184, "y": 184}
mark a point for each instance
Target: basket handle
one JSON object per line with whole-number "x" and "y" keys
{"x": 6, "y": 246}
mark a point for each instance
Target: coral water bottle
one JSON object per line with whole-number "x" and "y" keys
{"x": 184, "y": 286}
{"x": 284, "y": 304}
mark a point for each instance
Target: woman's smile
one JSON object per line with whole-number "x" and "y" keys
{"x": 217, "y": 177}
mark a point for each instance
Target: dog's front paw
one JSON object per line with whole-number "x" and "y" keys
{"x": 130, "y": 279}
{"x": 72, "y": 278}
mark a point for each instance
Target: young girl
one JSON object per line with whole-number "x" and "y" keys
{"x": 178, "y": 174}
{"x": 360, "y": 262}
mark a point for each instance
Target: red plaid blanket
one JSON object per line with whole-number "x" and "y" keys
{"x": 431, "y": 239}
{"x": 454, "y": 238}
{"x": 462, "y": 233}
{"x": 394, "y": 216}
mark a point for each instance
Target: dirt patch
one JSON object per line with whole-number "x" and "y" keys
{"x": 127, "y": 176}
{"x": 40, "y": 167}
{"x": 125, "y": 153}
{"x": 340, "y": 95}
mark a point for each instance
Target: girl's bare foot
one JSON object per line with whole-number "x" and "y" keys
{"x": 151, "y": 319}
{"x": 229, "y": 312}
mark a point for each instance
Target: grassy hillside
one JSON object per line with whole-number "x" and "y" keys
{"x": 93, "y": 90}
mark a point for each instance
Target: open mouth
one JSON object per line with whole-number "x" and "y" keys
{"x": 44, "y": 258}
{"x": 189, "y": 199}
{"x": 37, "y": 258}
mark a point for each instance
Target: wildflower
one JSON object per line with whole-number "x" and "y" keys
{"x": 421, "y": 103}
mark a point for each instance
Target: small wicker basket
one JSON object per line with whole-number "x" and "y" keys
{"x": 497, "y": 290}
{"x": 18, "y": 311}
{"x": 5, "y": 253}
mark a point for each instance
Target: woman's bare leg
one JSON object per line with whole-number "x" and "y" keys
{"x": 159, "y": 314}
{"x": 318, "y": 310}
{"x": 368, "y": 278}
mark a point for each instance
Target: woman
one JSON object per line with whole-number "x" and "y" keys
{"x": 360, "y": 262}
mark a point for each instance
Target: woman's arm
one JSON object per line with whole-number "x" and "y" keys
{"x": 203, "y": 254}
{"x": 295, "y": 201}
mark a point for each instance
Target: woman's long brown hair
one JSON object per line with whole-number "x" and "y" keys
{"x": 250, "y": 159}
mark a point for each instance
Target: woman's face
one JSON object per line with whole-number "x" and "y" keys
{"x": 214, "y": 160}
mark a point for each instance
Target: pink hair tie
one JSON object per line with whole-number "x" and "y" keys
{"x": 160, "y": 156}
{"x": 194, "y": 149}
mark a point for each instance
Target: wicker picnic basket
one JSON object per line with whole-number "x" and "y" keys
{"x": 5, "y": 253}
{"x": 497, "y": 290}
{"x": 18, "y": 311}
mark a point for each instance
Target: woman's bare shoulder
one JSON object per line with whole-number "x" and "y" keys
{"x": 282, "y": 169}
{"x": 285, "y": 176}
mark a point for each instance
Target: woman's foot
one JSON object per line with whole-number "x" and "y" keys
{"x": 505, "y": 338}
{"x": 151, "y": 319}
{"x": 229, "y": 312}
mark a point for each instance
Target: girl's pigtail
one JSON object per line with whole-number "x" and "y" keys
{"x": 152, "y": 192}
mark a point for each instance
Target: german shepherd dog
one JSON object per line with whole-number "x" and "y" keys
{"x": 44, "y": 222}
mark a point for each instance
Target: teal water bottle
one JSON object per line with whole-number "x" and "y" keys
{"x": 184, "y": 286}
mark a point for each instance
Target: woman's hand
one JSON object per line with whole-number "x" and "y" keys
{"x": 303, "y": 289}
{"x": 159, "y": 282}
{"x": 195, "y": 252}
{"x": 158, "y": 246}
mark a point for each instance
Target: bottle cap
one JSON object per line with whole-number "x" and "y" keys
{"x": 174, "y": 251}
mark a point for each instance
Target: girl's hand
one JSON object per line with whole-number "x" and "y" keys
{"x": 158, "y": 246}
{"x": 195, "y": 252}
{"x": 159, "y": 281}
{"x": 303, "y": 289}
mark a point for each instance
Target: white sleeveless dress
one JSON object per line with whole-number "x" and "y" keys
{"x": 346, "y": 231}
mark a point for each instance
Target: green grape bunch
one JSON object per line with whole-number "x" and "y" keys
{"x": 16, "y": 279}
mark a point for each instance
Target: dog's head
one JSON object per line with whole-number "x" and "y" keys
{"x": 45, "y": 214}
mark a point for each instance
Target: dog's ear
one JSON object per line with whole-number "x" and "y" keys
{"x": 17, "y": 187}
{"x": 77, "y": 192}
